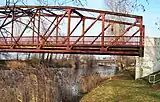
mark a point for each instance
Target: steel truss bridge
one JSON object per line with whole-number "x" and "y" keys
{"x": 72, "y": 30}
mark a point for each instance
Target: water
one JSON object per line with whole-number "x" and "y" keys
{"x": 73, "y": 85}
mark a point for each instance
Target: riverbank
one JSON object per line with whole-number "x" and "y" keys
{"x": 57, "y": 81}
{"x": 123, "y": 88}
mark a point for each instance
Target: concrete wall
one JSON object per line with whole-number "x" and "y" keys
{"x": 151, "y": 61}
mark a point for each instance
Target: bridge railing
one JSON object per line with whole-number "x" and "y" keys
{"x": 154, "y": 78}
{"x": 86, "y": 40}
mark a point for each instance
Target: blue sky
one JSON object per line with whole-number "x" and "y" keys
{"x": 150, "y": 16}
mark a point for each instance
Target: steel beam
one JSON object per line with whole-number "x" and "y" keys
{"x": 52, "y": 41}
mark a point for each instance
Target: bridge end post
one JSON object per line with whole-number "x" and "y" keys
{"x": 102, "y": 37}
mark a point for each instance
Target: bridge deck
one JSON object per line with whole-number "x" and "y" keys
{"x": 85, "y": 47}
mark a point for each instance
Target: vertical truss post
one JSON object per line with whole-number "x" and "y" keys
{"x": 83, "y": 27}
{"x": 69, "y": 27}
{"x": 141, "y": 31}
{"x": 102, "y": 37}
{"x": 141, "y": 54}
{"x": 57, "y": 30}
{"x": 33, "y": 24}
{"x": 39, "y": 21}
{"x": 12, "y": 26}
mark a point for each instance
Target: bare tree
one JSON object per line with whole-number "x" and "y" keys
{"x": 48, "y": 2}
{"x": 123, "y": 6}
{"x": 45, "y": 3}
{"x": 157, "y": 23}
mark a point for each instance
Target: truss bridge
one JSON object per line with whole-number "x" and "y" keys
{"x": 71, "y": 30}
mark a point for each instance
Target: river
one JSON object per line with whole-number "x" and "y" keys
{"x": 71, "y": 89}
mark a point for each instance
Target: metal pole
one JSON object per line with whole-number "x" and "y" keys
{"x": 102, "y": 37}
{"x": 39, "y": 15}
{"x": 12, "y": 27}
{"x": 57, "y": 30}
{"x": 33, "y": 24}
{"x": 83, "y": 27}
{"x": 141, "y": 31}
{"x": 69, "y": 26}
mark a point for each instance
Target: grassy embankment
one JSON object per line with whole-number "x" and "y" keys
{"x": 123, "y": 88}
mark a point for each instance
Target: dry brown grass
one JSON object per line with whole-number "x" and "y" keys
{"x": 30, "y": 84}
{"x": 16, "y": 64}
{"x": 87, "y": 83}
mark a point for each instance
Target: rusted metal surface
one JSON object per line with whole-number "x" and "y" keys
{"x": 64, "y": 29}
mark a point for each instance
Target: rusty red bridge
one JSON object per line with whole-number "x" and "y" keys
{"x": 72, "y": 30}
